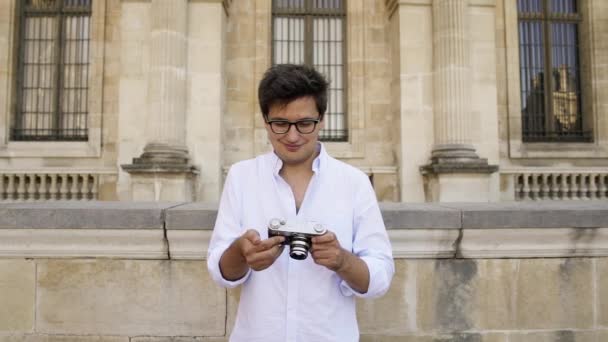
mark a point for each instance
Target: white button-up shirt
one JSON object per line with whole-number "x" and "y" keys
{"x": 298, "y": 300}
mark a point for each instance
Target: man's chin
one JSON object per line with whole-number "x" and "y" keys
{"x": 291, "y": 158}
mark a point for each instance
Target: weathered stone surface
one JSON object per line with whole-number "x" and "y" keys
{"x": 533, "y": 242}
{"x": 62, "y": 338}
{"x": 110, "y": 297}
{"x": 83, "y": 215}
{"x": 468, "y": 337}
{"x": 583, "y": 214}
{"x": 410, "y": 215}
{"x": 446, "y": 290}
{"x": 233, "y": 296}
{"x": 179, "y": 339}
{"x": 375, "y": 317}
{"x": 17, "y": 295}
{"x": 601, "y": 272}
{"x": 559, "y": 336}
{"x": 493, "y": 307}
{"x": 553, "y": 294}
{"x": 198, "y": 215}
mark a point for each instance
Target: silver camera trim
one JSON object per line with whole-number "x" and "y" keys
{"x": 297, "y": 235}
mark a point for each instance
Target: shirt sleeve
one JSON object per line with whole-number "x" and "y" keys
{"x": 371, "y": 244}
{"x": 227, "y": 229}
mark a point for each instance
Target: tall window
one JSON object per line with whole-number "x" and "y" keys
{"x": 312, "y": 32}
{"x": 550, "y": 71}
{"x": 52, "y": 89}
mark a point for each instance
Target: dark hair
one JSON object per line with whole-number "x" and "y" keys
{"x": 283, "y": 83}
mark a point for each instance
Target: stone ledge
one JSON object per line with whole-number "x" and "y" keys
{"x": 188, "y": 244}
{"x": 132, "y": 230}
{"x": 533, "y": 243}
{"x": 83, "y": 243}
{"x": 554, "y": 214}
{"x": 419, "y": 215}
{"x": 197, "y": 215}
{"x": 83, "y": 215}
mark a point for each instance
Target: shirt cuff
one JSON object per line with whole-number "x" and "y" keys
{"x": 378, "y": 280}
{"x": 213, "y": 265}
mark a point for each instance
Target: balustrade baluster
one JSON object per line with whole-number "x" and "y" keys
{"x": 2, "y": 192}
{"x": 525, "y": 192}
{"x": 63, "y": 190}
{"x": 53, "y": 190}
{"x": 94, "y": 187}
{"x": 21, "y": 187}
{"x": 593, "y": 186}
{"x": 31, "y": 187}
{"x": 603, "y": 179}
{"x": 42, "y": 190}
{"x": 73, "y": 191}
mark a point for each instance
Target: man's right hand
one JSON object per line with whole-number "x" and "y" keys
{"x": 249, "y": 251}
{"x": 259, "y": 254}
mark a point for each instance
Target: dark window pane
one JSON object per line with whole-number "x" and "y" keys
{"x": 53, "y": 71}
{"x": 550, "y": 84}
{"x": 562, "y": 6}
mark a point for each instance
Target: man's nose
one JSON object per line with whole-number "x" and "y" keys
{"x": 292, "y": 133}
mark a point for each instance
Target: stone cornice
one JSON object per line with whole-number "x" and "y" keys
{"x": 83, "y": 243}
{"x": 132, "y": 230}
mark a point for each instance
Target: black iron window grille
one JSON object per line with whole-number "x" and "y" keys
{"x": 53, "y": 71}
{"x": 312, "y": 32}
{"x": 550, "y": 71}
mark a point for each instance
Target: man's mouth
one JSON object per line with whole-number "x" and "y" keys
{"x": 292, "y": 148}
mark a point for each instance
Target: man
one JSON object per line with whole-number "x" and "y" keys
{"x": 284, "y": 299}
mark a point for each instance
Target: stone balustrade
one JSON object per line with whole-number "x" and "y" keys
{"x": 135, "y": 272}
{"x": 45, "y": 186}
{"x": 559, "y": 185}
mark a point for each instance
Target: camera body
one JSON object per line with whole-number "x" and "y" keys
{"x": 297, "y": 235}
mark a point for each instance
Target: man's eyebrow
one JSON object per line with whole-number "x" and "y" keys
{"x": 283, "y": 119}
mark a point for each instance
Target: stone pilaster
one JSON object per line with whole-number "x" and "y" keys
{"x": 455, "y": 165}
{"x": 163, "y": 171}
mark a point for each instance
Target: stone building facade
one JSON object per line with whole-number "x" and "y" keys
{"x": 444, "y": 100}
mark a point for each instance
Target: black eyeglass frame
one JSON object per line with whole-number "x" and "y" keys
{"x": 294, "y": 123}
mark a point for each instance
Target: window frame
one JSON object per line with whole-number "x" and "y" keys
{"x": 58, "y": 89}
{"x": 517, "y": 147}
{"x": 546, "y": 17}
{"x": 308, "y": 13}
{"x": 8, "y": 88}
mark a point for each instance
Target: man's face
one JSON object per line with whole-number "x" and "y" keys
{"x": 294, "y": 147}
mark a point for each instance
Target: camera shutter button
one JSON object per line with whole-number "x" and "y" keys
{"x": 318, "y": 228}
{"x": 274, "y": 224}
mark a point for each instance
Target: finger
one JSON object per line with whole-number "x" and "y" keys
{"x": 326, "y": 254}
{"x": 325, "y": 238}
{"x": 253, "y": 236}
{"x": 267, "y": 244}
{"x": 273, "y": 241}
{"x": 316, "y": 247}
{"x": 266, "y": 257}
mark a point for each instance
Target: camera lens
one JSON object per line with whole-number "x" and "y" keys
{"x": 298, "y": 247}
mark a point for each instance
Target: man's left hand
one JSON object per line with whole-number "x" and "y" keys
{"x": 326, "y": 251}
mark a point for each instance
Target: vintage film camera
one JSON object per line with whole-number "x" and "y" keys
{"x": 297, "y": 235}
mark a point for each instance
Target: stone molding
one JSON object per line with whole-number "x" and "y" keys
{"x": 136, "y": 230}
{"x": 83, "y": 243}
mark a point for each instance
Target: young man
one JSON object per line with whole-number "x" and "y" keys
{"x": 284, "y": 299}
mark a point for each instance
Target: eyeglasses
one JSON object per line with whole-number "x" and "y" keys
{"x": 304, "y": 126}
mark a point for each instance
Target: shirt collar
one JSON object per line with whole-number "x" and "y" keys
{"x": 319, "y": 161}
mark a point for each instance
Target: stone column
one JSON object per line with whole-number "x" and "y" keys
{"x": 163, "y": 170}
{"x": 455, "y": 166}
